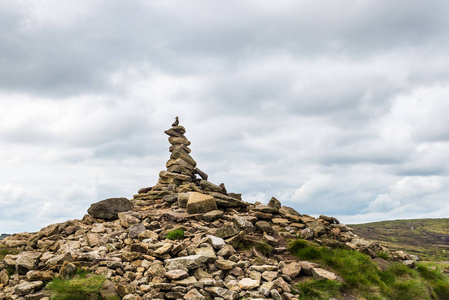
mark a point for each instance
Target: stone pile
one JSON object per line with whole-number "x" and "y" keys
{"x": 219, "y": 255}
{"x": 180, "y": 180}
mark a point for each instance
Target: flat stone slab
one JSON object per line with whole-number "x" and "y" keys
{"x": 182, "y": 177}
{"x": 319, "y": 273}
{"x": 190, "y": 262}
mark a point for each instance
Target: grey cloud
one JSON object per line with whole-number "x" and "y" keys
{"x": 80, "y": 57}
{"x": 318, "y": 107}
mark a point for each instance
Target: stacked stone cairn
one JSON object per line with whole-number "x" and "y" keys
{"x": 179, "y": 186}
{"x": 217, "y": 257}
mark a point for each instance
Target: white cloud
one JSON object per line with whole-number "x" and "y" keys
{"x": 339, "y": 111}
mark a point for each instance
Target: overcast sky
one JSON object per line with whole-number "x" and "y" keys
{"x": 333, "y": 107}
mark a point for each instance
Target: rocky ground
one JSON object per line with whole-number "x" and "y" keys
{"x": 229, "y": 249}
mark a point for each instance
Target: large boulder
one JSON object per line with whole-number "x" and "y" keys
{"x": 200, "y": 203}
{"x": 109, "y": 209}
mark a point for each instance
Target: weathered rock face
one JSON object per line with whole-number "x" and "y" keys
{"x": 110, "y": 208}
{"x": 130, "y": 246}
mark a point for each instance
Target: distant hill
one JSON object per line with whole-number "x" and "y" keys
{"x": 3, "y": 235}
{"x": 427, "y": 238}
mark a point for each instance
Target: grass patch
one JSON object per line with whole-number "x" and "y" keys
{"x": 264, "y": 248}
{"x": 318, "y": 289}
{"x": 363, "y": 278}
{"x": 81, "y": 286}
{"x": 176, "y": 234}
{"x": 5, "y": 251}
{"x": 383, "y": 254}
{"x": 244, "y": 245}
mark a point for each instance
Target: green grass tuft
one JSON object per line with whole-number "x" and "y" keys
{"x": 383, "y": 254}
{"x": 81, "y": 286}
{"x": 362, "y": 277}
{"x": 176, "y": 234}
{"x": 6, "y": 251}
{"x": 318, "y": 289}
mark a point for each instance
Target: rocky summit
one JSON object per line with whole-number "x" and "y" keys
{"x": 183, "y": 238}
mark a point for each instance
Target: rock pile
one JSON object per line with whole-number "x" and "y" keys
{"x": 224, "y": 248}
{"x": 179, "y": 186}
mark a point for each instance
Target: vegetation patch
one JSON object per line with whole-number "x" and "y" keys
{"x": 361, "y": 276}
{"x": 6, "y": 251}
{"x": 318, "y": 289}
{"x": 426, "y": 238}
{"x": 244, "y": 245}
{"x": 264, "y": 248}
{"x": 176, "y": 234}
{"x": 80, "y": 287}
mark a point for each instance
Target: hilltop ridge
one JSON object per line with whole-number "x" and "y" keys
{"x": 427, "y": 238}
{"x": 183, "y": 238}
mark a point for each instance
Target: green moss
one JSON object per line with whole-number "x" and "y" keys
{"x": 11, "y": 270}
{"x": 264, "y": 248}
{"x": 176, "y": 234}
{"x": 383, "y": 254}
{"x": 244, "y": 245}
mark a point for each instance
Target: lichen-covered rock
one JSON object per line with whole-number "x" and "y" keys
{"x": 26, "y": 288}
{"x": 67, "y": 270}
{"x": 190, "y": 262}
{"x": 25, "y": 262}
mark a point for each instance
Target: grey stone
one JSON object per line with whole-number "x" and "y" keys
{"x": 213, "y": 215}
{"x": 264, "y": 226}
{"x": 216, "y": 242}
{"x": 274, "y": 203}
{"x": 25, "y": 263}
{"x": 227, "y": 231}
{"x": 183, "y": 198}
{"x": 249, "y": 284}
{"x": 194, "y": 294}
{"x": 244, "y": 224}
{"x": 292, "y": 270}
{"x": 177, "y": 274}
{"x": 317, "y": 227}
{"x": 190, "y": 262}
{"x": 26, "y": 288}
{"x": 66, "y": 270}
{"x": 409, "y": 263}
{"x": 222, "y": 292}
{"x": 225, "y": 264}
{"x": 206, "y": 185}
{"x": 227, "y": 201}
{"x": 275, "y": 295}
{"x": 180, "y": 153}
{"x": 319, "y": 274}
{"x": 135, "y": 230}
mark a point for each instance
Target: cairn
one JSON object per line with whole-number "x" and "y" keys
{"x": 178, "y": 182}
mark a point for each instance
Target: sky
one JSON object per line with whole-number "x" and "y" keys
{"x": 333, "y": 107}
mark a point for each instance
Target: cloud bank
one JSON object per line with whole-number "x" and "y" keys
{"x": 335, "y": 109}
